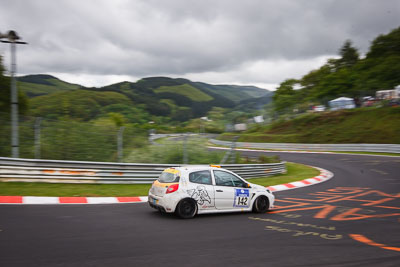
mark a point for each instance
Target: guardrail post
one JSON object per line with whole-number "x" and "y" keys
{"x": 37, "y": 137}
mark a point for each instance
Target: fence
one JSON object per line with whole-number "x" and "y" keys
{"x": 386, "y": 148}
{"x": 56, "y": 171}
{"x": 66, "y": 139}
{"x": 99, "y": 141}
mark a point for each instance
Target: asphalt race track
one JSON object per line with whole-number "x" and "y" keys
{"x": 351, "y": 220}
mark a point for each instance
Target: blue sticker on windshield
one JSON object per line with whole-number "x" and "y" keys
{"x": 241, "y": 198}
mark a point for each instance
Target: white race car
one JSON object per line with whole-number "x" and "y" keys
{"x": 192, "y": 190}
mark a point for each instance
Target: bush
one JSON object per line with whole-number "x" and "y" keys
{"x": 172, "y": 153}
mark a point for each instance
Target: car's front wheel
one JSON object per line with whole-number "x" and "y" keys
{"x": 186, "y": 208}
{"x": 261, "y": 204}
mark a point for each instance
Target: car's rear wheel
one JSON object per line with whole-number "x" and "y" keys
{"x": 186, "y": 208}
{"x": 261, "y": 204}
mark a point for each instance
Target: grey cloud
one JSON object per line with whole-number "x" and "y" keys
{"x": 148, "y": 37}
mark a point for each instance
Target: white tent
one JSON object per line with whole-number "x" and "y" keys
{"x": 342, "y": 103}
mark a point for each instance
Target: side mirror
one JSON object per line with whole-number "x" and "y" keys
{"x": 247, "y": 186}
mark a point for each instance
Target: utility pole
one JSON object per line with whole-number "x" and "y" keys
{"x": 13, "y": 38}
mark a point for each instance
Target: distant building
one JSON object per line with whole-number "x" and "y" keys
{"x": 258, "y": 119}
{"x": 342, "y": 103}
{"x": 240, "y": 127}
{"x": 388, "y": 94}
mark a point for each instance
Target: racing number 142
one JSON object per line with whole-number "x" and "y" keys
{"x": 242, "y": 201}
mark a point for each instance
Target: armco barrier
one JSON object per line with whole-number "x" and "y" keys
{"x": 386, "y": 148}
{"x": 57, "y": 171}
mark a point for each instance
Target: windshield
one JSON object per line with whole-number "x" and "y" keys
{"x": 169, "y": 176}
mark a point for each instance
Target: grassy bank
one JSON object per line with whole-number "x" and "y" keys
{"x": 295, "y": 172}
{"x": 363, "y": 125}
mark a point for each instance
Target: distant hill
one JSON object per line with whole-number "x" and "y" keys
{"x": 235, "y": 93}
{"x": 160, "y": 85}
{"x": 41, "y": 84}
{"x": 178, "y": 99}
{"x": 183, "y": 99}
{"x": 82, "y": 104}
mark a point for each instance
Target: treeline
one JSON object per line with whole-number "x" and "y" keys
{"x": 349, "y": 76}
{"x": 5, "y": 93}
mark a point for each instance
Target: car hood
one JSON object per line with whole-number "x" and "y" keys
{"x": 258, "y": 187}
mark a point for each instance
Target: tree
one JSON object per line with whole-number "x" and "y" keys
{"x": 346, "y": 76}
{"x": 285, "y": 96}
{"x": 117, "y": 118}
{"x": 311, "y": 82}
{"x": 381, "y": 67}
{"x": 349, "y": 56}
{"x": 5, "y": 94}
{"x": 385, "y": 45}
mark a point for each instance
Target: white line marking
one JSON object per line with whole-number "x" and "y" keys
{"x": 101, "y": 200}
{"x": 40, "y": 200}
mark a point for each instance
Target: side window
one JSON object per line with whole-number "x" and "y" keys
{"x": 201, "y": 177}
{"x": 227, "y": 179}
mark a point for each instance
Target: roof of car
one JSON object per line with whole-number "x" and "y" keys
{"x": 197, "y": 167}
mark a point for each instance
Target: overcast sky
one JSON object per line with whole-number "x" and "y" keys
{"x": 252, "y": 42}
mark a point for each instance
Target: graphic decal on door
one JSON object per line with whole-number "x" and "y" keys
{"x": 241, "y": 198}
{"x": 200, "y": 194}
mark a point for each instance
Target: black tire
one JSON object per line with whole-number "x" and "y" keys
{"x": 186, "y": 208}
{"x": 261, "y": 204}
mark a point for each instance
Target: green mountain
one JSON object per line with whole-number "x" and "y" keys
{"x": 82, "y": 104}
{"x": 235, "y": 93}
{"x": 41, "y": 84}
{"x": 176, "y": 99}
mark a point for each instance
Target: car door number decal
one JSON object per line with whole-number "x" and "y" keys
{"x": 242, "y": 201}
{"x": 241, "y": 198}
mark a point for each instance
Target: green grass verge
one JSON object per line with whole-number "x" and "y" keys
{"x": 295, "y": 172}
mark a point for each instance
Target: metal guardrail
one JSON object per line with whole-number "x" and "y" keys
{"x": 386, "y": 148}
{"x": 57, "y": 171}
